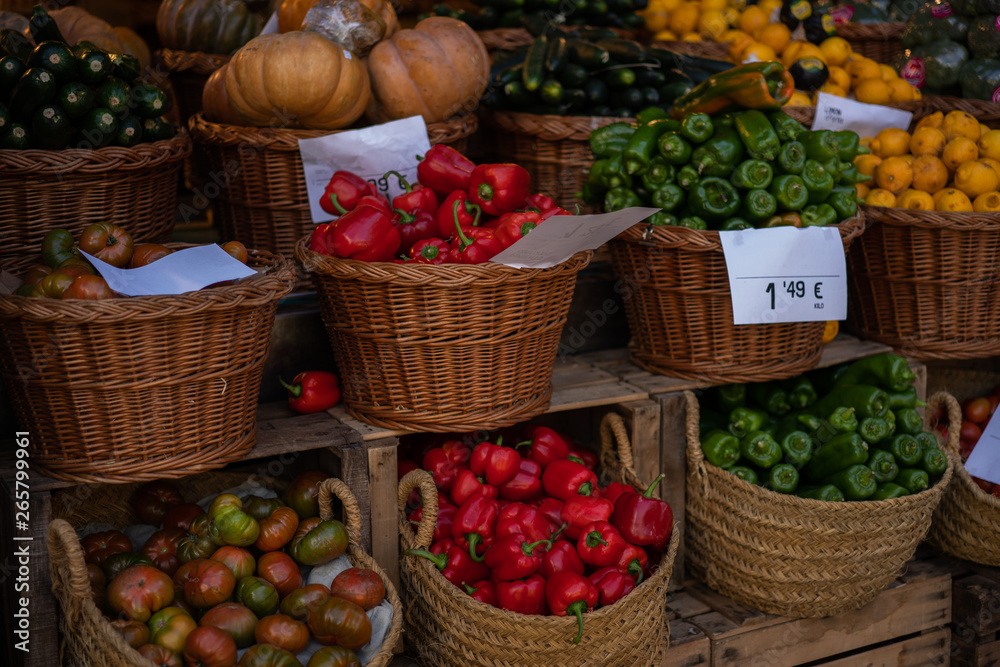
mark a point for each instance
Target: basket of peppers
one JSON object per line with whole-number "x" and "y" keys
{"x": 807, "y": 496}
{"x": 726, "y": 158}
{"x": 429, "y": 335}
{"x": 569, "y": 572}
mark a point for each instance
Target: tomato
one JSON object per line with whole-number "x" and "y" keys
{"x": 230, "y": 524}
{"x": 161, "y": 548}
{"x": 302, "y": 495}
{"x": 35, "y": 273}
{"x": 277, "y": 529}
{"x": 260, "y": 508}
{"x": 970, "y": 432}
{"x": 282, "y": 631}
{"x": 334, "y": 656}
{"x": 170, "y": 627}
{"x": 91, "y": 288}
{"x": 147, "y": 253}
{"x": 160, "y": 656}
{"x": 266, "y": 655}
{"x": 204, "y": 583}
{"x": 238, "y": 560}
{"x": 97, "y": 547}
{"x": 258, "y": 594}
{"x": 95, "y": 575}
{"x": 340, "y": 622}
{"x": 107, "y": 242}
{"x": 200, "y": 525}
{"x": 235, "y": 619}
{"x": 281, "y": 571}
{"x": 976, "y": 410}
{"x": 139, "y": 591}
{"x": 994, "y": 400}
{"x": 965, "y": 449}
{"x": 236, "y": 249}
{"x": 209, "y": 647}
{"x": 58, "y": 245}
{"x": 152, "y": 500}
{"x": 326, "y": 541}
{"x": 182, "y": 516}
{"x": 299, "y": 602}
{"x": 53, "y": 285}
{"x": 361, "y": 586}
{"x": 134, "y": 632}
{"x": 192, "y": 547}
{"x": 117, "y": 563}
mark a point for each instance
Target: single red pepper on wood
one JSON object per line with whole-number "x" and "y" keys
{"x": 612, "y": 584}
{"x": 521, "y": 519}
{"x": 366, "y": 234}
{"x": 312, "y": 391}
{"x": 642, "y": 519}
{"x": 484, "y": 591}
{"x": 444, "y": 169}
{"x": 455, "y": 564}
{"x": 546, "y": 446}
{"x": 445, "y": 462}
{"x": 467, "y": 484}
{"x": 456, "y": 209}
{"x": 515, "y": 557}
{"x": 474, "y": 245}
{"x": 475, "y": 525}
{"x": 495, "y": 462}
{"x": 499, "y": 188}
{"x": 561, "y": 557}
{"x": 525, "y": 596}
{"x": 513, "y": 226}
{"x": 569, "y": 593}
{"x": 525, "y": 485}
{"x": 343, "y": 192}
{"x": 633, "y": 561}
{"x": 415, "y": 196}
{"x": 564, "y": 479}
{"x": 600, "y": 544}
{"x": 579, "y": 511}
{"x": 413, "y": 225}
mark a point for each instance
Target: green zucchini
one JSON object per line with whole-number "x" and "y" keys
{"x": 43, "y": 27}
{"x": 649, "y": 76}
{"x": 156, "y": 129}
{"x": 50, "y": 126}
{"x": 17, "y": 136}
{"x": 56, "y": 58}
{"x": 98, "y": 127}
{"x": 129, "y": 132}
{"x": 512, "y": 73}
{"x": 75, "y": 98}
{"x": 13, "y": 43}
{"x": 594, "y": 33}
{"x": 85, "y": 45}
{"x": 574, "y": 75}
{"x": 651, "y": 96}
{"x": 94, "y": 66}
{"x": 114, "y": 94}
{"x": 125, "y": 66}
{"x": 534, "y": 63}
{"x": 619, "y": 78}
{"x": 623, "y": 112}
{"x": 587, "y": 54}
{"x": 556, "y": 55}
{"x": 150, "y": 101}
{"x": 601, "y": 110}
{"x": 551, "y": 92}
{"x": 11, "y": 71}
{"x": 597, "y": 91}
{"x": 632, "y": 98}
{"x": 575, "y": 98}
{"x": 36, "y": 87}
{"x": 625, "y": 51}
{"x": 596, "y": 8}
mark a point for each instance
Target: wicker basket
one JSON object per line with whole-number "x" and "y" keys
{"x": 188, "y": 73}
{"x": 794, "y": 556}
{"x": 135, "y": 188}
{"x": 88, "y": 640}
{"x": 257, "y": 181}
{"x": 443, "y": 348}
{"x": 84, "y": 375}
{"x": 967, "y": 522}
{"x": 987, "y": 113}
{"x": 505, "y": 39}
{"x": 878, "y": 41}
{"x": 554, "y": 149}
{"x": 449, "y": 628}
{"x": 680, "y": 312}
{"x": 703, "y": 49}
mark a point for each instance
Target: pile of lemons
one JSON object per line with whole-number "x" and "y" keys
{"x": 704, "y": 20}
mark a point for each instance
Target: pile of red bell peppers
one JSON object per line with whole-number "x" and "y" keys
{"x": 458, "y": 213}
{"x": 527, "y": 528}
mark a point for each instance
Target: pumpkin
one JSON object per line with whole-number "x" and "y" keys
{"x": 209, "y": 26}
{"x": 292, "y": 13}
{"x": 435, "y": 70}
{"x": 14, "y": 21}
{"x": 215, "y": 100}
{"x": 77, "y": 25}
{"x": 297, "y": 79}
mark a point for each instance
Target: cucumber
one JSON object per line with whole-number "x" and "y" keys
{"x": 534, "y": 63}
{"x": 575, "y": 98}
{"x": 596, "y": 90}
{"x": 574, "y": 75}
{"x": 125, "y": 66}
{"x": 649, "y": 76}
{"x": 551, "y": 92}
{"x": 17, "y": 136}
{"x": 625, "y": 51}
{"x": 150, "y": 101}
{"x": 621, "y": 77}
{"x": 156, "y": 129}
{"x": 36, "y": 87}
{"x": 98, "y": 127}
{"x": 596, "y": 8}
{"x": 85, "y": 45}
{"x": 11, "y": 71}
{"x": 672, "y": 91}
{"x": 75, "y": 98}
{"x": 43, "y": 27}
{"x": 50, "y": 126}
{"x": 129, "y": 132}
{"x": 114, "y": 94}
{"x": 651, "y": 96}
{"x": 587, "y": 54}
{"x": 601, "y": 110}
{"x": 512, "y": 73}
{"x": 13, "y": 43}
{"x": 623, "y": 112}
{"x": 517, "y": 95}
{"x": 594, "y": 34}
{"x": 632, "y": 98}
{"x": 56, "y": 58}
{"x": 556, "y": 55}
{"x": 94, "y": 66}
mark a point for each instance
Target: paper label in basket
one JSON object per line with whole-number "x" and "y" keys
{"x": 271, "y": 25}
{"x": 369, "y": 152}
{"x": 562, "y": 236}
{"x": 984, "y": 461}
{"x": 840, "y": 113}
{"x": 186, "y": 270}
{"x": 786, "y": 274}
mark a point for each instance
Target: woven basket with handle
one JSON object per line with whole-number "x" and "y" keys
{"x": 139, "y": 388}
{"x": 967, "y": 522}
{"x": 447, "y": 627}
{"x": 795, "y": 556}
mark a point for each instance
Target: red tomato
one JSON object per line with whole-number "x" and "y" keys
{"x": 302, "y": 495}
{"x": 152, "y": 500}
{"x": 161, "y": 548}
{"x": 976, "y": 410}
{"x": 181, "y": 516}
{"x": 95, "y": 575}
{"x": 965, "y": 449}
{"x": 994, "y": 400}
{"x": 97, "y": 547}
{"x": 301, "y": 601}
{"x": 361, "y": 586}
{"x": 160, "y": 656}
{"x": 209, "y": 647}
{"x": 147, "y": 253}
{"x": 282, "y": 631}
{"x": 340, "y": 622}
{"x": 139, "y": 591}
{"x": 192, "y": 547}
{"x": 278, "y": 568}
{"x": 277, "y": 529}
{"x": 334, "y": 656}
{"x": 236, "y": 249}
{"x": 134, "y": 632}
{"x": 116, "y": 563}
{"x": 237, "y": 559}
{"x": 238, "y": 621}
{"x": 970, "y": 432}
{"x": 91, "y": 288}
{"x": 204, "y": 583}
{"x": 107, "y": 242}
{"x": 170, "y": 627}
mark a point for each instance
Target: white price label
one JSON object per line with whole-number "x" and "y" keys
{"x": 786, "y": 274}
{"x": 984, "y": 461}
{"x": 840, "y": 113}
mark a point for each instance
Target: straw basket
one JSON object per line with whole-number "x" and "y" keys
{"x": 84, "y": 375}
{"x": 134, "y": 188}
{"x": 449, "y": 628}
{"x": 795, "y": 556}
{"x": 680, "y": 312}
{"x": 504, "y": 39}
{"x": 878, "y": 41}
{"x": 257, "y": 181}
{"x": 88, "y": 638}
{"x": 967, "y": 522}
{"x": 704, "y": 49}
{"x": 443, "y": 348}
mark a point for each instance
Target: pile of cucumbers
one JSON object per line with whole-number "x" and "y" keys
{"x": 54, "y": 95}
{"x": 490, "y": 14}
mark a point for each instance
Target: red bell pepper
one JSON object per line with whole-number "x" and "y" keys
{"x": 525, "y": 596}
{"x": 564, "y": 479}
{"x": 584, "y": 456}
{"x": 312, "y": 391}
{"x": 633, "y": 561}
{"x": 545, "y": 215}
{"x": 474, "y": 245}
{"x": 430, "y": 251}
{"x": 415, "y": 196}
{"x": 540, "y": 202}
{"x": 495, "y": 462}
{"x": 612, "y": 584}
{"x": 615, "y": 489}
{"x": 484, "y": 591}
{"x": 443, "y": 169}
{"x": 515, "y": 557}
{"x": 376, "y": 200}
{"x": 513, "y": 226}
{"x": 600, "y": 544}
{"x": 521, "y": 519}
{"x": 413, "y": 225}
{"x": 475, "y": 525}
{"x": 343, "y": 192}
{"x": 499, "y": 188}
{"x": 317, "y": 242}
{"x": 445, "y": 519}
{"x": 455, "y": 564}
{"x": 456, "y": 208}
{"x": 580, "y": 511}
{"x": 546, "y": 446}
{"x": 525, "y": 485}
{"x": 642, "y": 519}
{"x": 569, "y": 593}
{"x": 445, "y": 462}
{"x": 551, "y": 509}
{"x": 364, "y": 233}
{"x": 561, "y": 557}
{"x": 467, "y": 484}
{"x": 442, "y": 546}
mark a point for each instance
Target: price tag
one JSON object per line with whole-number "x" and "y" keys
{"x": 840, "y": 113}
{"x": 786, "y": 274}
{"x": 984, "y": 461}
{"x": 271, "y": 25}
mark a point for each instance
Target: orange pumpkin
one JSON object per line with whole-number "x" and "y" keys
{"x": 297, "y": 79}
{"x": 437, "y": 69}
{"x": 291, "y": 13}
{"x": 215, "y": 100}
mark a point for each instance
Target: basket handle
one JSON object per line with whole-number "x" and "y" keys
{"x": 954, "y": 418}
{"x": 616, "y": 448}
{"x": 352, "y": 513}
{"x": 424, "y": 535}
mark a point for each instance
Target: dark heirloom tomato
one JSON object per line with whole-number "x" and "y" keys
{"x": 319, "y": 545}
{"x": 260, "y": 508}
{"x": 334, "y": 656}
{"x": 277, "y": 529}
{"x": 230, "y": 524}
{"x": 170, "y": 627}
{"x": 200, "y": 525}
{"x": 340, "y": 622}
{"x": 281, "y": 571}
{"x": 107, "y": 242}
{"x": 139, "y": 591}
{"x": 117, "y": 563}
{"x": 98, "y": 547}
{"x": 91, "y": 288}
{"x": 161, "y": 548}
{"x": 95, "y": 575}
{"x": 302, "y": 495}
{"x": 361, "y": 586}
{"x": 160, "y": 656}
{"x": 299, "y": 602}
{"x": 204, "y": 583}
{"x": 236, "y": 249}
{"x": 282, "y": 631}
{"x": 238, "y": 621}
{"x": 266, "y": 655}
{"x": 135, "y": 633}
{"x": 257, "y": 594}
{"x": 209, "y": 647}
{"x": 152, "y": 500}
{"x": 238, "y": 560}
{"x": 147, "y": 253}
{"x": 182, "y": 516}
{"x": 192, "y": 547}
{"x": 36, "y": 273}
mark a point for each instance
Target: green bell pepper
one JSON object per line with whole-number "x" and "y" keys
{"x": 757, "y": 134}
{"x": 660, "y": 172}
{"x": 719, "y": 155}
{"x": 792, "y": 158}
{"x": 783, "y": 478}
{"x": 909, "y": 421}
{"x": 669, "y": 197}
{"x": 730, "y": 396}
{"x": 662, "y": 219}
{"x": 790, "y": 192}
{"x": 692, "y": 222}
{"x": 849, "y": 175}
{"x": 674, "y": 148}
{"x": 820, "y": 145}
{"x": 904, "y": 399}
{"x": 887, "y": 370}
{"x": 721, "y": 449}
{"x": 748, "y": 475}
{"x": 769, "y": 396}
{"x": 618, "y": 198}
{"x": 848, "y": 143}
{"x": 844, "y": 201}
{"x": 827, "y": 492}
{"x": 801, "y": 393}
{"x": 818, "y": 215}
{"x": 883, "y": 464}
{"x": 611, "y": 139}
{"x": 797, "y": 448}
{"x": 743, "y": 420}
{"x": 752, "y": 174}
{"x": 613, "y": 174}
{"x": 867, "y": 401}
{"x": 788, "y": 128}
{"x": 697, "y": 127}
{"x": 642, "y": 145}
{"x": 714, "y": 199}
{"x": 818, "y": 181}
{"x": 933, "y": 462}
{"x": 926, "y": 441}
{"x": 758, "y": 205}
{"x": 840, "y": 452}
{"x": 687, "y": 177}
{"x": 857, "y": 482}
{"x": 649, "y": 114}
{"x": 760, "y": 449}
{"x": 913, "y": 480}
{"x": 905, "y": 448}
{"x": 887, "y": 490}
{"x": 873, "y": 429}
{"x": 735, "y": 224}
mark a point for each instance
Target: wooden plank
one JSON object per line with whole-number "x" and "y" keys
{"x": 642, "y": 418}
{"x": 920, "y": 382}
{"x": 568, "y": 377}
{"x": 845, "y": 348}
{"x": 602, "y": 357}
{"x": 350, "y": 464}
{"x": 592, "y": 396}
{"x": 382, "y": 484}
{"x": 932, "y": 648}
{"x": 299, "y": 433}
{"x": 964, "y": 654}
{"x": 685, "y": 605}
{"x": 366, "y": 431}
{"x": 689, "y": 646}
{"x": 745, "y": 618}
{"x": 673, "y": 463}
{"x": 976, "y": 604}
